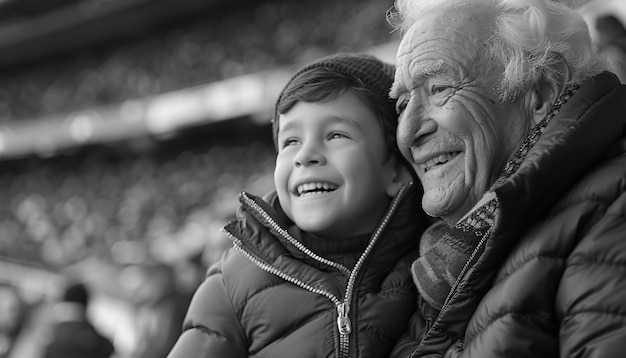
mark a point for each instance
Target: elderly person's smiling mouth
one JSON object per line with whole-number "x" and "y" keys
{"x": 436, "y": 153}
{"x": 437, "y": 160}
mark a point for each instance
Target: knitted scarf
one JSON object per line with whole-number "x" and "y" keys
{"x": 446, "y": 251}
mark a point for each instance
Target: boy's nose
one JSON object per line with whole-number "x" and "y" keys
{"x": 308, "y": 156}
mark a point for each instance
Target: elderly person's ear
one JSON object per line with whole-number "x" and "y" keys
{"x": 541, "y": 97}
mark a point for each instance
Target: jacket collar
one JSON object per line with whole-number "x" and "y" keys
{"x": 567, "y": 149}
{"x": 256, "y": 231}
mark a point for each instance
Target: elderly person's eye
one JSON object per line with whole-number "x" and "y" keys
{"x": 437, "y": 89}
{"x": 401, "y": 103}
{"x": 440, "y": 94}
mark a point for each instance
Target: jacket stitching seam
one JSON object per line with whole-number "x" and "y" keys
{"x": 597, "y": 263}
{"x": 583, "y": 200}
{"x": 286, "y": 334}
{"x": 614, "y": 214}
{"x": 540, "y": 257}
{"x": 243, "y": 304}
{"x": 379, "y": 334}
{"x": 393, "y": 290}
{"x": 210, "y": 333}
{"x": 542, "y": 315}
{"x": 598, "y": 311}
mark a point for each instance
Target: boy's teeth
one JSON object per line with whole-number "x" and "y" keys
{"x": 314, "y": 188}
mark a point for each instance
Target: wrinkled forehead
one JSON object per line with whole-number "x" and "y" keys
{"x": 415, "y": 9}
{"x": 444, "y": 17}
{"x": 447, "y": 32}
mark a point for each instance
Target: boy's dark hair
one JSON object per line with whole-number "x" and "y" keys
{"x": 330, "y": 77}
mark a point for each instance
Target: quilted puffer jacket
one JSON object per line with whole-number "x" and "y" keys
{"x": 551, "y": 281}
{"x": 272, "y": 297}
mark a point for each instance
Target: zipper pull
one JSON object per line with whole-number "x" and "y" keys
{"x": 343, "y": 321}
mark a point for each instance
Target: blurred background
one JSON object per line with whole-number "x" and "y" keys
{"x": 127, "y": 130}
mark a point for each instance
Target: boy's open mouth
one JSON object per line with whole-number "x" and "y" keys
{"x": 314, "y": 188}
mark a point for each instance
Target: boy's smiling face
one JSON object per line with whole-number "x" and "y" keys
{"x": 334, "y": 175}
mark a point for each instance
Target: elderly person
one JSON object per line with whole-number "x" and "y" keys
{"x": 517, "y": 133}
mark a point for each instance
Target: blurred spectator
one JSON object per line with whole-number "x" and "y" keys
{"x": 12, "y": 314}
{"x": 71, "y": 335}
{"x": 612, "y": 42}
{"x": 116, "y": 217}
{"x": 160, "y": 312}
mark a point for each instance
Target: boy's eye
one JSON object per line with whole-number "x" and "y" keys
{"x": 289, "y": 142}
{"x": 337, "y": 135}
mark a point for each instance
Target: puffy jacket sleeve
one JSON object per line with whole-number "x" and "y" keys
{"x": 211, "y": 328}
{"x": 592, "y": 295}
{"x": 409, "y": 341}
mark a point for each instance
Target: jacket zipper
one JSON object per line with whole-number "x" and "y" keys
{"x": 452, "y": 293}
{"x": 344, "y": 324}
{"x": 252, "y": 205}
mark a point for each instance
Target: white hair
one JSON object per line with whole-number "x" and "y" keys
{"x": 528, "y": 37}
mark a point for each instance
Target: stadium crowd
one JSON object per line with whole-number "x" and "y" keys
{"x": 61, "y": 210}
{"x": 226, "y": 42}
{"x": 139, "y": 225}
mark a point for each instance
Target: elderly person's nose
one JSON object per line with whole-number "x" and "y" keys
{"x": 411, "y": 127}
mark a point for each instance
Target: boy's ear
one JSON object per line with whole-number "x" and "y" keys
{"x": 401, "y": 176}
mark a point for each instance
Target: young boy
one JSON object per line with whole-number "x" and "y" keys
{"x": 321, "y": 267}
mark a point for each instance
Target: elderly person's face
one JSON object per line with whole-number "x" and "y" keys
{"x": 453, "y": 129}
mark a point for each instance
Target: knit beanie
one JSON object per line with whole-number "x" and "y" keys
{"x": 366, "y": 69}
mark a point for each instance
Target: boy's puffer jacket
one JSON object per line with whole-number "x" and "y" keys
{"x": 266, "y": 298}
